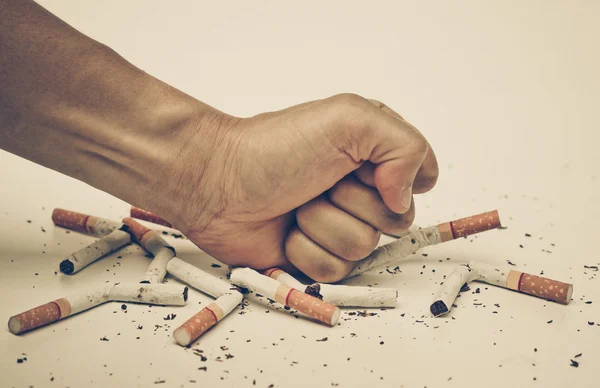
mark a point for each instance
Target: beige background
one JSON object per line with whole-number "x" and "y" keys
{"x": 507, "y": 92}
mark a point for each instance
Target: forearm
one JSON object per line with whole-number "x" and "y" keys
{"x": 74, "y": 105}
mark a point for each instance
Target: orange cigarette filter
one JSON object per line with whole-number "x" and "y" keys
{"x": 539, "y": 286}
{"x": 136, "y": 229}
{"x": 84, "y": 223}
{"x": 467, "y": 226}
{"x": 208, "y": 317}
{"x": 39, "y": 316}
{"x": 145, "y": 215}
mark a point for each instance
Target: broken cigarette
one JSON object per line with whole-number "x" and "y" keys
{"x": 157, "y": 294}
{"x": 450, "y": 288}
{"x": 504, "y": 277}
{"x": 228, "y": 297}
{"x": 339, "y": 295}
{"x": 142, "y": 214}
{"x": 284, "y": 278}
{"x": 153, "y": 243}
{"x": 209, "y": 316}
{"x": 271, "y": 288}
{"x": 354, "y": 296}
{"x": 85, "y": 256}
{"x": 431, "y": 235}
{"x": 525, "y": 283}
{"x": 84, "y": 223}
{"x": 197, "y": 278}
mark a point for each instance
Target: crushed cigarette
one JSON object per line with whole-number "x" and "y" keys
{"x": 505, "y": 277}
{"x": 84, "y": 223}
{"x": 284, "y": 278}
{"x": 354, "y": 296}
{"x": 157, "y": 294}
{"x": 449, "y": 290}
{"x": 209, "y": 316}
{"x": 197, "y": 278}
{"x": 339, "y": 295}
{"x": 431, "y": 235}
{"x": 271, "y": 288}
{"x": 153, "y": 243}
{"x": 100, "y": 248}
{"x": 227, "y": 299}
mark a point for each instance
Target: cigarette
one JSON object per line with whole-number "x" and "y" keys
{"x": 504, "y": 277}
{"x": 84, "y": 223}
{"x": 271, "y": 288}
{"x": 449, "y": 290}
{"x": 339, "y": 295}
{"x": 142, "y": 214}
{"x": 85, "y": 256}
{"x": 157, "y": 294}
{"x": 430, "y": 235}
{"x": 354, "y": 296}
{"x": 284, "y": 278}
{"x": 467, "y": 226}
{"x": 153, "y": 243}
{"x": 522, "y": 282}
{"x": 197, "y": 278}
{"x": 208, "y": 317}
{"x": 227, "y": 299}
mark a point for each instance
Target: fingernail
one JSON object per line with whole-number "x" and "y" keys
{"x": 406, "y": 197}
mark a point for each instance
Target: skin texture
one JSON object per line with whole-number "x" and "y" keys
{"x": 308, "y": 187}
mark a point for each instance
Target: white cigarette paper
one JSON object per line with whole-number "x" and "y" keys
{"x": 403, "y": 247}
{"x": 197, "y": 278}
{"x": 339, "y": 295}
{"x": 354, "y": 296}
{"x": 449, "y": 290}
{"x": 100, "y": 248}
{"x": 157, "y": 270}
{"x": 103, "y": 226}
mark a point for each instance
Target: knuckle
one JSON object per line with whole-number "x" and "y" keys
{"x": 329, "y": 272}
{"x": 427, "y": 183}
{"x": 395, "y": 224}
{"x": 362, "y": 244}
{"x": 348, "y": 99}
{"x": 419, "y": 145}
{"x": 303, "y": 213}
{"x": 342, "y": 192}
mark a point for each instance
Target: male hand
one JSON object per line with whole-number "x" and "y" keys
{"x": 313, "y": 185}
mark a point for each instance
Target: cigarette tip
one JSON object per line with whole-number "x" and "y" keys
{"x": 182, "y": 337}
{"x": 66, "y": 267}
{"x": 335, "y": 317}
{"x": 14, "y": 325}
{"x": 438, "y": 308}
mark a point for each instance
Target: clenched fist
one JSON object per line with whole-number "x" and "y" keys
{"x": 313, "y": 185}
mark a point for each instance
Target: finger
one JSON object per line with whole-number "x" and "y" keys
{"x": 362, "y": 131}
{"x": 366, "y": 204}
{"x": 335, "y": 230}
{"x": 366, "y": 174}
{"x": 314, "y": 261}
{"x": 427, "y": 175}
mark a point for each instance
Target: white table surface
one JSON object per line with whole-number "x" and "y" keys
{"x": 508, "y": 93}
